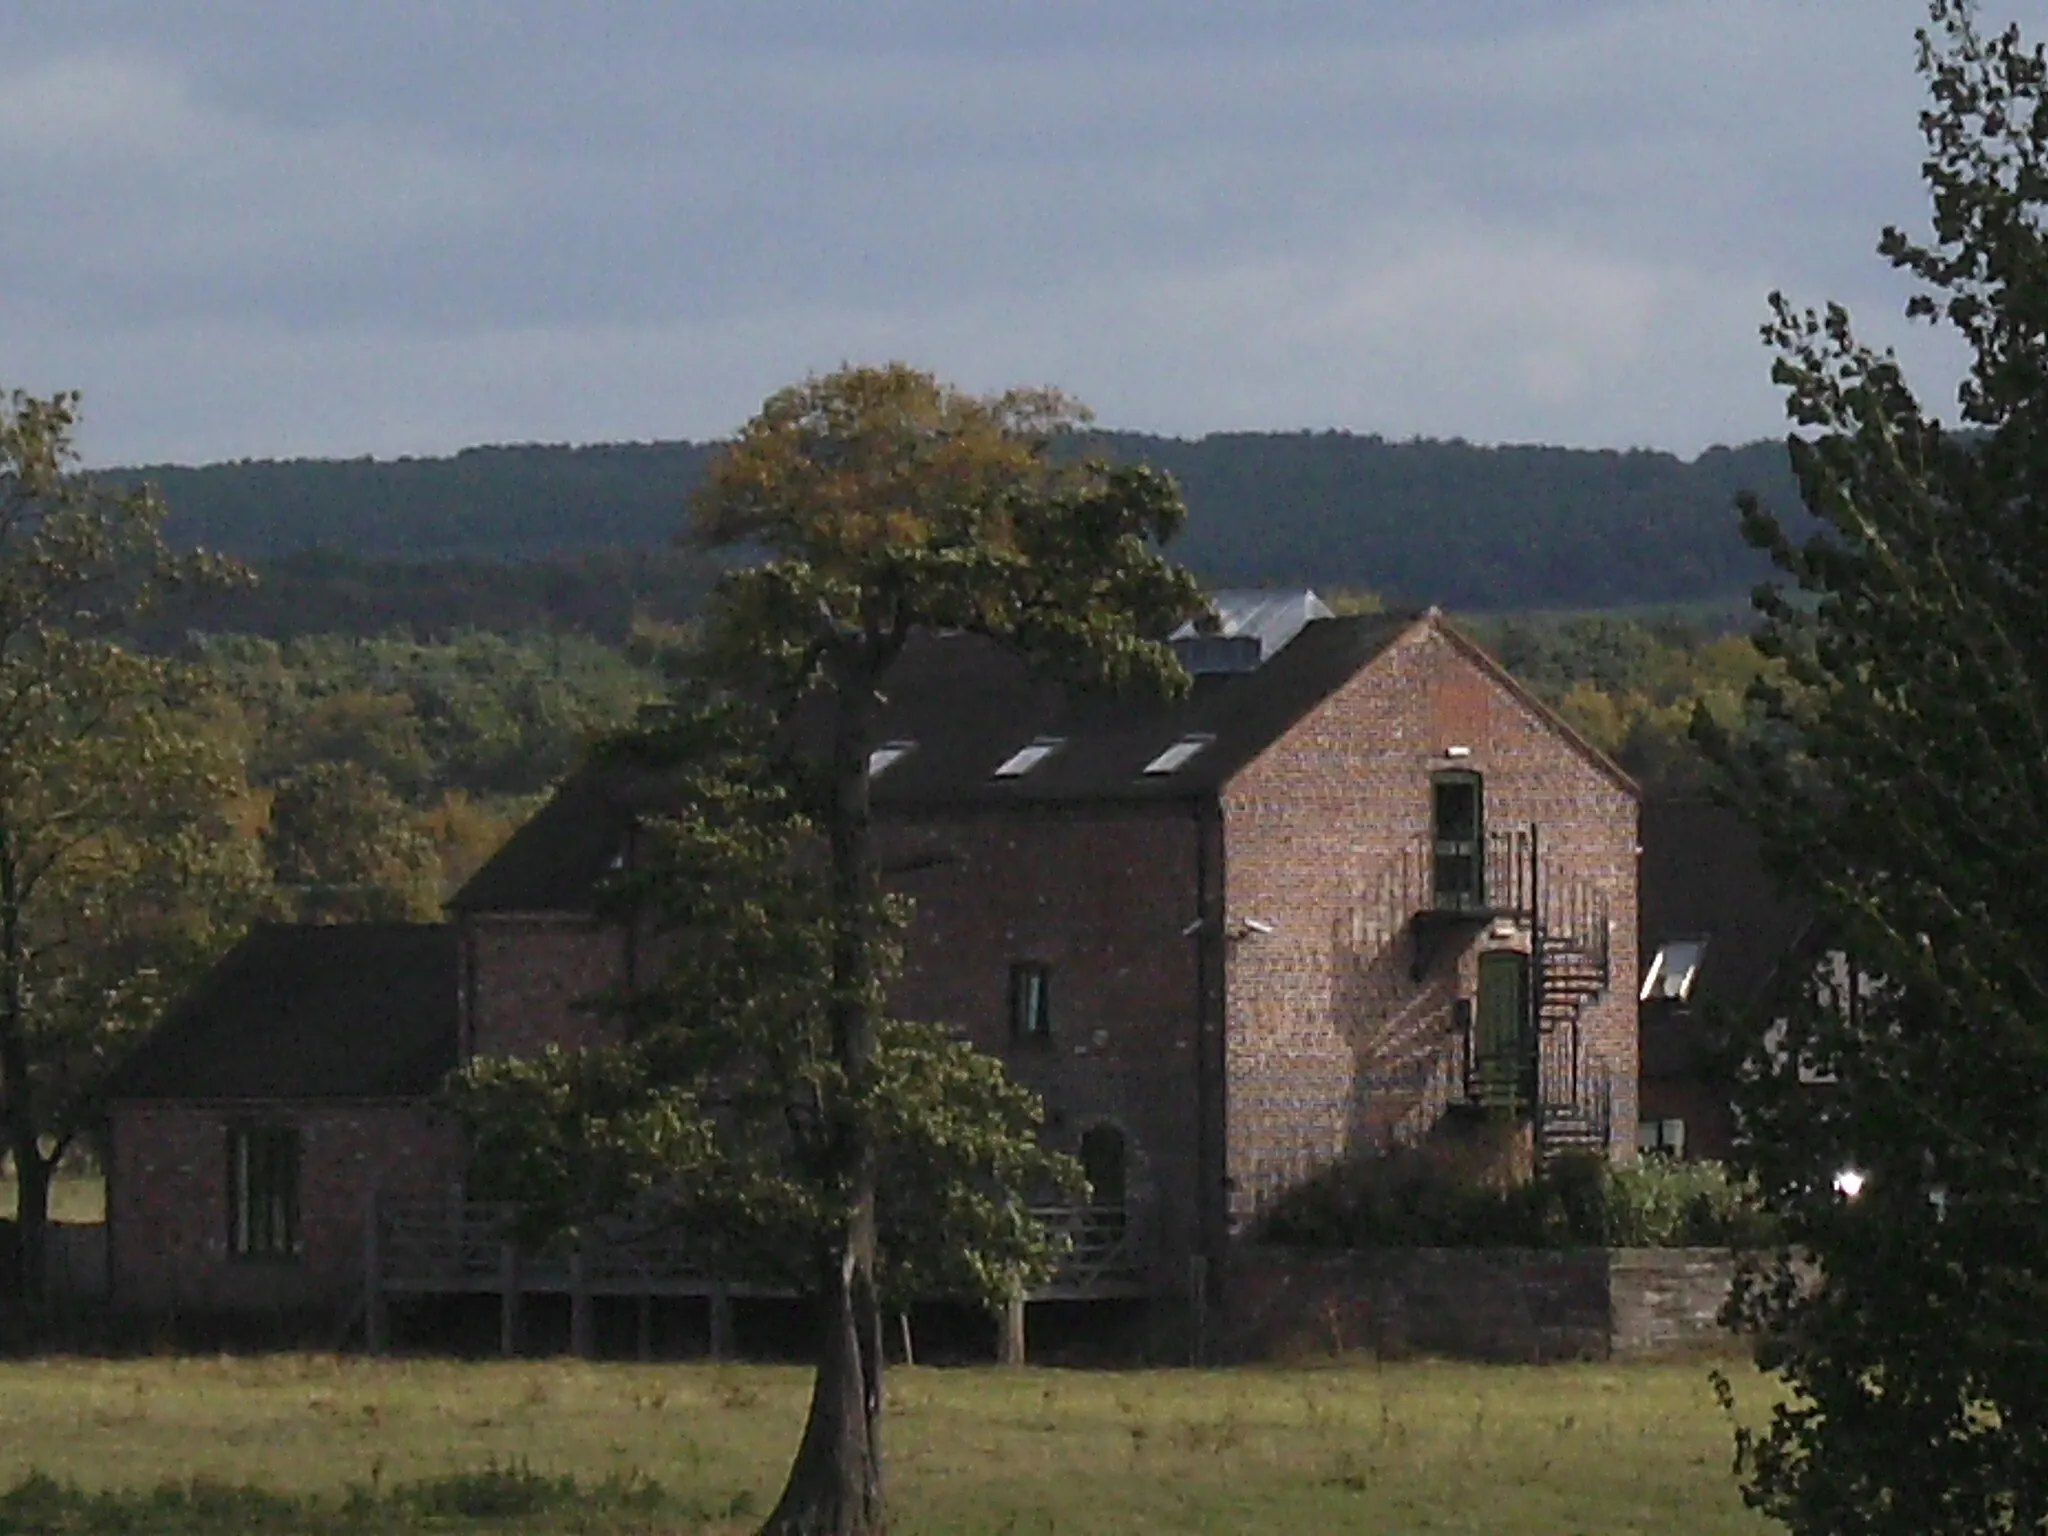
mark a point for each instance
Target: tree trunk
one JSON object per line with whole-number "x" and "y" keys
{"x": 17, "y": 1094}
{"x": 31, "y": 1221}
{"x": 835, "y": 1483}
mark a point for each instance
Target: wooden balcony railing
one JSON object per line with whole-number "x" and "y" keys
{"x": 458, "y": 1245}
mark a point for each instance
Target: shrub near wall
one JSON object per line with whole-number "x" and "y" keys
{"x": 1453, "y": 1250}
{"x": 1432, "y": 1197}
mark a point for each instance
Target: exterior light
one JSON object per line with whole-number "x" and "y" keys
{"x": 1849, "y": 1183}
{"x": 1457, "y": 751}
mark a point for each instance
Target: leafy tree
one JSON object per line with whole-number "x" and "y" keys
{"x": 344, "y": 848}
{"x": 120, "y": 870}
{"x": 1905, "y": 793}
{"x": 886, "y": 503}
{"x": 882, "y": 503}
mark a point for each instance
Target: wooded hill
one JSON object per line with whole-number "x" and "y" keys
{"x": 1471, "y": 528}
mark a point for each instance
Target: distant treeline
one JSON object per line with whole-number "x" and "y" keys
{"x": 545, "y": 528}
{"x": 602, "y": 594}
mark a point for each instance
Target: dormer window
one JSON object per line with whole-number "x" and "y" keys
{"x": 1180, "y": 753}
{"x": 1672, "y": 970}
{"x": 1023, "y": 760}
{"x": 888, "y": 753}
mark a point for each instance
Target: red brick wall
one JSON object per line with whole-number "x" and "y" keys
{"x": 531, "y": 977}
{"x": 168, "y": 1215}
{"x": 1328, "y": 1037}
{"x": 1101, "y": 896}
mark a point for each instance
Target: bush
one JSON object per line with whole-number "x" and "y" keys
{"x": 1442, "y": 1197}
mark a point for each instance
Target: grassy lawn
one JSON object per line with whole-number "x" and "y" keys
{"x": 1396, "y": 1448}
{"x": 73, "y": 1197}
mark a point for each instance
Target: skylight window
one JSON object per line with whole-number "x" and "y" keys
{"x": 1022, "y": 761}
{"x": 888, "y": 753}
{"x": 1179, "y": 754}
{"x": 1671, "y": 973}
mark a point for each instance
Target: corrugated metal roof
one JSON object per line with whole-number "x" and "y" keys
{"x": 1246, "y": 614}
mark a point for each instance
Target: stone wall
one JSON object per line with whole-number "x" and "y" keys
{"x": 1502, "y": 1304}
{"x": 1665, "y": 1299}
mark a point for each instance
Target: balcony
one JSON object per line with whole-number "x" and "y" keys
{"x": 455, "y": 1246}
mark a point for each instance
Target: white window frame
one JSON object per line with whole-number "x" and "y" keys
{"x": 1028, "y": 757}
{"x": 1181, "y": 753}
{"x": 887, "y": 755}
{"x": 1653, "y": 988}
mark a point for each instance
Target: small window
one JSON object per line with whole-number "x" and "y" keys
{"x": 1179, "y": 754}
{"x": 1103, "y": 1165}
{"x": 1030, "y": 1001}
{"x": 1022, "y": 761}
{"x": 1660, "y": 1138}
{"x": 263, "y": 1191}
{"x": 1671, "y": 972}
{"x": 888, "y": 753}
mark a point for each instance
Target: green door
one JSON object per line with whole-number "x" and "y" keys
{"x": 1500, "y": 1031}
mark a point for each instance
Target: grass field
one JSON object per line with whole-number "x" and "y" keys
{"x": 73, "y": 1197}
{"x": 315, "y": 1443}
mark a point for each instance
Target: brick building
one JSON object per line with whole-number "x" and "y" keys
{"x": 247, "y": 1134}
{"x": 1717, "y": 933}
{"x": 1356, "y": 879}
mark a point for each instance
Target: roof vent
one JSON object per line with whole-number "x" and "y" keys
{"x": 1250, "y": 626}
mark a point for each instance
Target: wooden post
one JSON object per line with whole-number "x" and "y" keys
{"x": 582, "y": 1321}
{"x": 508, "y": 1301}
{"x": 1012, "y": 1349}
{"x": 376, "y": 1322}
{"x": 903, "y": 1325}
{"x": 721, "y": 1323}
{"x": 645, "y": 1338}
{"x": 1198, "y": 1310}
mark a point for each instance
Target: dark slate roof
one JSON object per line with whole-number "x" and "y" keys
{"x": 354, "y": 1011}
{"x": 968, "y": 705}
{"x": 1703, "y": 876}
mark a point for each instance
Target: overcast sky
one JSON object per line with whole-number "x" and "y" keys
{"x": 266, "y": 229}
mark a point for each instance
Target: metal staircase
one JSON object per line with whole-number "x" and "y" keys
{"x": 1570, "y": 962}
{"x": 1543, "y": 1068}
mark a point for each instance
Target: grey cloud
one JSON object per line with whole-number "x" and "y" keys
{"x": 383, "y": 227}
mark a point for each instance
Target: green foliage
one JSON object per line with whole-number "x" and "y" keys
{"x": 576, "y": 1136}
{"x": 1435, "y": 1197}
{"x": 493, "y": 1496}
{"x": 513, "y": 539}
{"x": 343, "y": 845}
{"x": 881, "y": 503}
{"x": 121, "y": 872}
{"x": 1909, "y": 807}
{"x": 599, "y": 594}
{"x": 393, "y": 769}
{"x": 1632, "y": 688}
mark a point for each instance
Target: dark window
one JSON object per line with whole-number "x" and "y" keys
{"x": 1660, "y": 1138}
{"x": 263, "y": 1191}
{"x": 1458, "y": 833}
{"x": 1102, "y": 1163}
{"x": 1030, "y": 1001}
